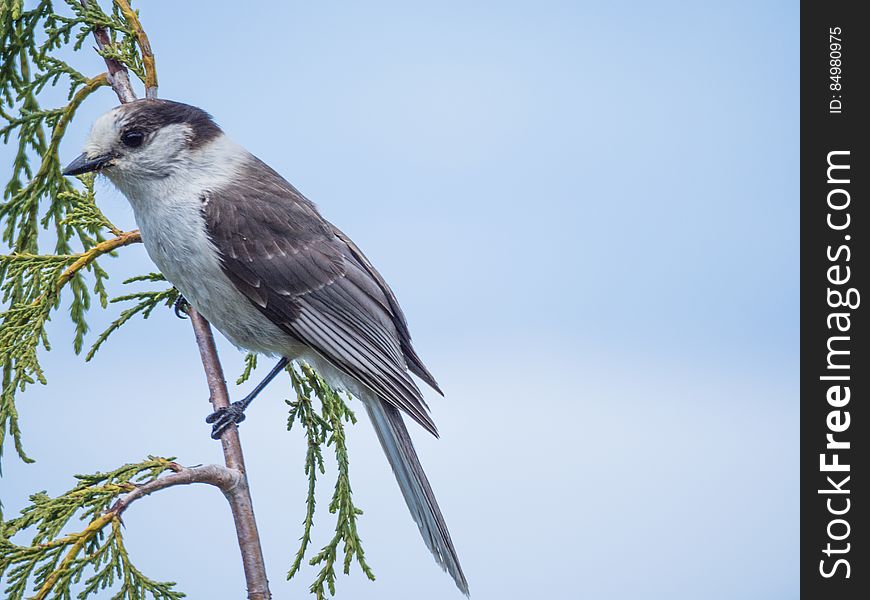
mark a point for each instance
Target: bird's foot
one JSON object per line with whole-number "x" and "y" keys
{"x": 223, "y": 418}
{"x": 180, "y": 307}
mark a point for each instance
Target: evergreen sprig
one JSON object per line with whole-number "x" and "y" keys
{"x": 326, "y": 428}
{"x": 53, "y": 562}
{"x": 250, "y": 366}
{"x": 37, "y": 197}
{"x": 35, "y": 281}
{"x": 145, "y": 303}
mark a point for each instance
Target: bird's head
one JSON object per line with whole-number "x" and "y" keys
{"x": 144, "y": 140}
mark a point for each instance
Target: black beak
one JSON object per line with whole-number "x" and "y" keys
{"x": 83, "y": 164}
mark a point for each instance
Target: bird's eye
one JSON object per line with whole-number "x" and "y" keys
{"x": 132, "y": 139}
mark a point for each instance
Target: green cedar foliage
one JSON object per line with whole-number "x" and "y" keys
{"x": 39, "y": 203}
{"x": 55, "y": 238}
{"x": 92, "y": 559}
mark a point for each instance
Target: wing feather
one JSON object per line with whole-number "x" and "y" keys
{"x": 312, "y": 281}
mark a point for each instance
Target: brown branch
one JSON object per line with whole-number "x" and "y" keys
{"x": 221, "y": 477}
{"x": 240, "y": 497}
{"x": 144, "y": 46}
{"x": 118, "y": 76}
{"x": 227, "y": 480}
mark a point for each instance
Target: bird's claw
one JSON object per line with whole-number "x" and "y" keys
{"x": 180, "y": 307}
{"x": 222, "y": 418}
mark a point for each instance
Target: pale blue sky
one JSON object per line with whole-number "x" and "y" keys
{"x": 589, "y": 212}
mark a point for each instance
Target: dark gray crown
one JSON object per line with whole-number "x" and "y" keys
{"x": 150, "y": 115}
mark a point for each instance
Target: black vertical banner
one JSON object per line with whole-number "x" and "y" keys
{"x": 835, "y": 368}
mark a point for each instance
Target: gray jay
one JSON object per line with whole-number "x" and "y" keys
{"x": 256, "y": 258}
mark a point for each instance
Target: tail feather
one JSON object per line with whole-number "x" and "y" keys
{"x": 400, "y": 452}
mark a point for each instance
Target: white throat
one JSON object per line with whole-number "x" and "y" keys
{"x": 169, "y": 213}
{"x": 191, "y": 174}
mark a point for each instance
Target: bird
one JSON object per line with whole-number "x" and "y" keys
{"x": 255, "y": 257}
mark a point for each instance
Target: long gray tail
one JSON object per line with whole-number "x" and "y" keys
{"x": 415, "y": 487}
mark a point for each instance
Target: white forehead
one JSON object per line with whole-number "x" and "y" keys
{"x": 104, "y": 132}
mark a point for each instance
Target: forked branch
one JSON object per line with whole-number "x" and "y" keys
{"x": 62, "y": 555}
{"x": 119, "y": 77}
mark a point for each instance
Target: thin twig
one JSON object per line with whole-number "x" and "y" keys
{"x": 49, "y": 159}
{"x": 83, "y": 260}
{"x": 119, "y": 78}
{"x": 239, "y": 496}
{"x": 81, "y": 538}
{"x": 219, "y": 476}
{"x": 123, "y": 239}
